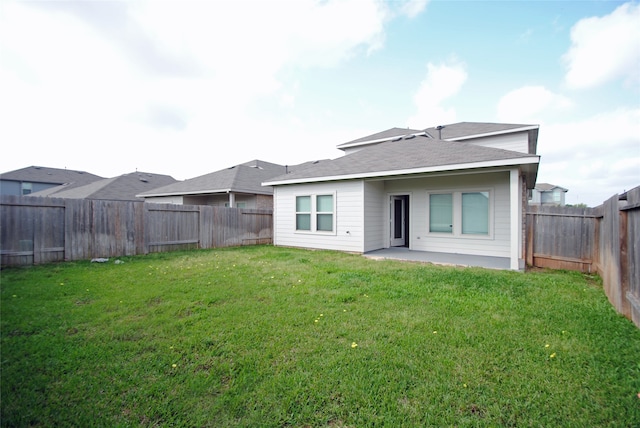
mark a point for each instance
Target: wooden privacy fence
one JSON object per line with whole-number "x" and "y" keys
{"x": 603, "y": 240}
{"x": 39, "y": 230}
{"x": 561, "y": 237}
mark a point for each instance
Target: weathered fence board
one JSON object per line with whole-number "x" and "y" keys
{"x": 561, "y": 237}
{"x": 36, "y": 232}
{"x": 39, "y": 230}
{"x": 172, "y": 229}
{"x": 629, "y": 287}
{"x": 605, "y": 239}
{"x": 609, "y": 265}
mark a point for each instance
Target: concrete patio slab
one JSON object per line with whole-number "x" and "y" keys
{"x": 402, "y": 253}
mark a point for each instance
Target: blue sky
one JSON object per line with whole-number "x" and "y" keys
{"x": 185, "y": 88}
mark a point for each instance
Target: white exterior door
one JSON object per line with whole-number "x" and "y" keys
{"x": 398, "y": 221}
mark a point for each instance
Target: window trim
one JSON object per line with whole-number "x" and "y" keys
{"x": 314, "y": 214}
{"x": 25, "y": 185}
{"x": 309, "y": 213}
{"x": 456, "y": 232}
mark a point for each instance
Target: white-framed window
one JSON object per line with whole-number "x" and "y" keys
{"x": 316, "y": 213}
{"x": 475, "y": 213}
{"x": 26, "y": 188}
{"x": 466, "y": 213}
{"x": 303, "y": 212}
{"x": 441, "y": 212}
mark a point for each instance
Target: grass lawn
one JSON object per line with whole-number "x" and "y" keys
{"x": 265, "y": 336}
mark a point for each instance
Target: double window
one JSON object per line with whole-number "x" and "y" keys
{"x": 315, "y": 213}
{"x": 460, "y": 213}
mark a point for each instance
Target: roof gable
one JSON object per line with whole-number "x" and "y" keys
{"x": 546, "y": 187}
{"x": 42, "y": 174}
{"x": 452, "y": 132}
{"x": 124, "y": 187}
{"x": 246, "y": 178}
{"x": 381, "y": 136}
{"x": 474, "y": 129}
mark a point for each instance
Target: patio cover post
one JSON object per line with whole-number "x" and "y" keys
{"x": 514, "y": 219}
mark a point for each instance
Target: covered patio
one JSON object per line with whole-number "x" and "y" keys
{"x": 403, "y": 253}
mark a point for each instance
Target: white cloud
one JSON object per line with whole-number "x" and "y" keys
{"x": 605, "y": 48}
{"x": 413, "y": 8}
{"x": 442, "y": 82}
{"x": 529, "y": 104}
{"x": 110, "y": 86}
{"x": 594, "y": 158}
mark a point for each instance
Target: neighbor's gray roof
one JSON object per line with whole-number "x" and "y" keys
{"x": 42, "y": 174}
{"x": 388, "y": 134}
{"x": 545, "y": 187}
{"x": 123, "y": 188}
{"x": 467, "y": 129}
{"x": 407, "y": 154}
{"x": 244, "y": 178}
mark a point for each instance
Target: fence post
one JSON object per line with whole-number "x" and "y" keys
{"x": 531, "y": 218}
{"x": 145, "y": 233}
{"x": 624, "y": 265}
{"x": 38, "y": 236}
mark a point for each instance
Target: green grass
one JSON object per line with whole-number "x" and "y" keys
{"x": 265, "y": 336}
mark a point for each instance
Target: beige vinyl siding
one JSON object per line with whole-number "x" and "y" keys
{"x": 373, "y": 213}
{"x": 496, "y": 244}
{"x": 518, "y": 142}
{"x": 348, "y": 202}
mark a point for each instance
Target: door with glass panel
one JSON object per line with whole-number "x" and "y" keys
{"x": 399, "y": 220}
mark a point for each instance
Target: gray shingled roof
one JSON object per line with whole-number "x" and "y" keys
{"x": 123, "y": 188}
{"x": 465, "y": 129}
{"x": 409, "y": 153}
{"x": 545, "y": 187}
{"x": 42, "y": 174}
{"x": 243, "y": 178}
{"x": 388, "y": 134}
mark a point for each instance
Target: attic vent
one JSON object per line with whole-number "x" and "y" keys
{"x": 256, "y": 167}
{"x": 144, "y": 180}
{"x": 315, "y": 162}
{"x": 410, "y": 136}
{"x": 397, "y": 139}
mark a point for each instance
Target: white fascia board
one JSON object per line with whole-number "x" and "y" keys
{"x": 194, "y": 192}
{"x": 490, "y": 134}
{"x": 252, "y": 192}
{"x": 379, "y": 140}
{"x": 455, "y": 167}
{"x": 205, "y": 192}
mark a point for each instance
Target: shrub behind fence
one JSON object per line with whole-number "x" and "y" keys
{"x": 40, "y": 230}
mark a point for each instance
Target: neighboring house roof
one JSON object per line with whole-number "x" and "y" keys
{"x": 381, "y": 136}
{"x": 546, "y": 187}
{"x": 411, "y": 155}
{"x": 244, "y": 178}
{"x": 42, "y": 174}
{"x": 124, "y": 187}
